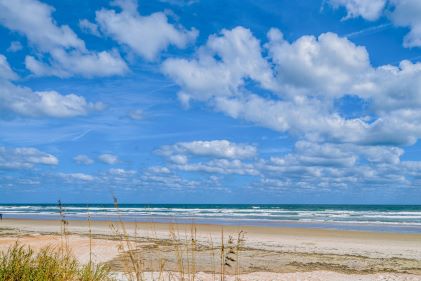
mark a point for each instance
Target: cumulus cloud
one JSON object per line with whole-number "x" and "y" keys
{"x": 219, "y": 73}
{"x": 305, "y": 78}
{"x": 219, "y": 148}
{"x": 83, "y": 159}
{"x": 178, "y": 159}
{"x": 121, "y": 172}
{"x": 159, "y": 170}
{"x": 24, "y": 158}
{"x": 171, "y": 181}
{"x": 219, "y": 166}
{"x": 206, "y": 77}
{"x": 89, "y": 27}
{"x": 214, "y": 148}
{"x": 15, "y": 46}
{"x": 325, "y": 166}
{"x": 312, "y": 165}
{"x": 109, "y": 159}
{"x": 145, "y": 35}
{"x": 369, "y": 10}
{"x": 67, "y": 54}
{"x": 77, "y": 177}
{"x": 25, "y": 102}
{"x": 222, "y": 157}
{"x": 327, "y": 65}
{"x": 68, "y": 63}
{"x": 401, "y": 12}
{"x": 407, "y": 13}
{"x": 6, "y": 72}
{"x": 310, "y": 154}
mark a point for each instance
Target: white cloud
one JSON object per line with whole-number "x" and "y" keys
{"x": 301, "y": 87}
{"x": 309, "y": 154}
{"x": 146, "y": 35}
{"x": 407, "y": 13}
{"x": 404, "y": 13}
{"x": 136, "y": 114}
{"x": 6, "y": 72}
{"x": 206, "y": 77}
{"x": 167, "y": 181}
{"x": 68, "y": 63}
{"x": 329, "y": 166}
{"x": 228, "y": 157}
{"x": 219, "y": 166}
{"x": 121, "y": 172}
{"x": 220, "y": 70}
{"x": 89, "y": 27}
{"x": 327, "y": 65}
{"x": 214, "y": 148}
{"x": 33, "y": 19}
{"x": 108, "y": 158}
{"x": 67, "y": 53}
{"x": 381, "y": 154}
{"x": 369, "y": 10}
{"x": 180, "y": 2}
{"x": 24, "y": 157}
{"x": 312, "y": 154}
{"x": 83, "y": 159}
{"x": 178, "y": 159}
{"x": 24, "y": 101}
{"x": 397, "y": 87}
{"x": 219, "y": 148}
{"x": 15, "y": 46}
{"x": 395, "y": 99}
{"x": 77, "y": 177}
{"x": 311, "y": 165}
{"x": 159, "y": 170}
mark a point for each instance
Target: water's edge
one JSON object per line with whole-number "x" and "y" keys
{"x": 389, "y": 218}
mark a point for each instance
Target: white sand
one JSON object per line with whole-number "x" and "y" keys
{"x": 270, "y": 254}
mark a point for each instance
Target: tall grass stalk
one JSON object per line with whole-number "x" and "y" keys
{"x": 20, "y": 263}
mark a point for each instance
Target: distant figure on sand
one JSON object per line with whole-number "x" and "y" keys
{"x": 1, "y": 217}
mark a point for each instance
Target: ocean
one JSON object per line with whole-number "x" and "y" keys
{"x": 389, "y": 218}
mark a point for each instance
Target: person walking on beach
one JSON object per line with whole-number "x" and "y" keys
{"x": 1, "y": 217}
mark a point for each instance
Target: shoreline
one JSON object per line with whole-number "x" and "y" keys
{"x": 212, "y": 226}
{"x": 378, "y": 227}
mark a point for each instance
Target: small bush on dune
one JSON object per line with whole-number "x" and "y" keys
{"x": 20, "y": 263}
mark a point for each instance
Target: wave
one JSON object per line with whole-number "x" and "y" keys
{"x": 410, "y": 216}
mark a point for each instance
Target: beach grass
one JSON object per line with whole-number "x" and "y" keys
{"x": 185, "y": 248}
{"x": 21, "y": 263}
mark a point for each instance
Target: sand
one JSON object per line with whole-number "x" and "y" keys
{"x": 266, "y": 254}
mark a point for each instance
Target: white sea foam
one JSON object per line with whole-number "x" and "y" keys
{"x": 252, "y": 213}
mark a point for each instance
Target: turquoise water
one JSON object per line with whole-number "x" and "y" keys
{"x": 396, "y": 218}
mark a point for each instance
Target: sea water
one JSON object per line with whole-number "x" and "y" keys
{"x": 395, "y": 218}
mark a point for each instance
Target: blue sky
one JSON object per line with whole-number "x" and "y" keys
{"x": 177, "y": 101}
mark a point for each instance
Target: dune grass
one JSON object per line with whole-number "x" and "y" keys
{"x": 225, "y": 256}
{"x": 20, "y": 263}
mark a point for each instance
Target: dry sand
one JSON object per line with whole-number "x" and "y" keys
{"x": 267, "y": 254}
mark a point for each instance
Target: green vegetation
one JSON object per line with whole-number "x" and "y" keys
{"x": 20, "y": 263}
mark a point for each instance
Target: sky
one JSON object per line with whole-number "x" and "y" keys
{"x": 208, "y": 101}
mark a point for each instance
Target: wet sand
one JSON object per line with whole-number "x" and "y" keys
{"x": 266, "y": 254}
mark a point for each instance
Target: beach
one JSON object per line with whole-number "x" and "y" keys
{"x": 267, "y": 253}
